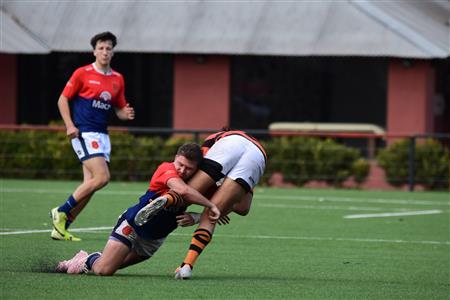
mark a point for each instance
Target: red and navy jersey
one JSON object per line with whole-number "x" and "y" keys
{"x": 164, "y": 222}
{"x": 163, "y": 173}
{"x": 93, "y": 94}
{"x": 213, "y": 138}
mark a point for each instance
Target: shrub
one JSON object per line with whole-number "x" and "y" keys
{"x": 431, "y": 164}
{"x": 360, "y": 170}
{"x": 292, "y": 156}
{"x": 41, "y": 154}
{"x": 302, "y": 159}
{"x": 333, "y": 161}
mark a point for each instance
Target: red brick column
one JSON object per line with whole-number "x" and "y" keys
{"x": 8, "y": 88}
{"x": 201, "y": 92}
{"x": 411, "y": 85}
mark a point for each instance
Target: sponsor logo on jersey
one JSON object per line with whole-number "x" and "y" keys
{"x": 106, "y": 96}
{"x": 94, "y": 82}
{"x": 100, "y": 104}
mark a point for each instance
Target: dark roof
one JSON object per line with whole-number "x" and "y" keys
{"x": 416, "y": 29}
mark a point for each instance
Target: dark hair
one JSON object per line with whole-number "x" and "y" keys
{"x": 104, "y": 36}
{"x": 191, "y": 151}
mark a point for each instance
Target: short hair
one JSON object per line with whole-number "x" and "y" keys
{"x": 191, "y": 151}
{"x": 103, "y": 36}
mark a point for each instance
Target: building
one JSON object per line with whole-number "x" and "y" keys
{"x": 205, "y": 64}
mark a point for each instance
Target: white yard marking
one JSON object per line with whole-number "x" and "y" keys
{"x": 394, "y": 214}
{"x": 307, "y": 238}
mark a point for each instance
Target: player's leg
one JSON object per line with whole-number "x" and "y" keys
{"x": 202, "y": 181}
{"x": 243, "y": 206}
{"x": 71, "y": 216}
{"x": 93, "y": 151}
{"x": 98, "y": 178}
{"x": 110, "y": 260}
{"x": 119, "y": 252}
{"x": 142, "y": 250}
{"x": 226, "y": 196}
{"x": 246, "y": 168}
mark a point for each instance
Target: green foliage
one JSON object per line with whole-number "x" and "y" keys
{"x": 360, "y": 170}
{"x": 36, "y": 154}
{"x": 394, "y": 161}
{"x": 292, "y": 156}
{"x": 431, "y": 164}
{"x": 333, "y": 161}
{"x": 302, "y": 159}
{"x": 44, "y": 154}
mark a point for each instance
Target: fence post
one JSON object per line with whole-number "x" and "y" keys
{"x": 411, "y": 165}
{"x": 197, "y": 136}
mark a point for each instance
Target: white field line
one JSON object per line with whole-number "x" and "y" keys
{"x": 269, "y": 237}
{"x": 394, "y": 214}
{"x": 88, "y": 229}
{"x": 353, "y": 200}
{"x": 330, "y": 207}
{"x": 258, "y": 195}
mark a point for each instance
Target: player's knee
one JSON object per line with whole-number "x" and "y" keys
{"x": 104, "y": 271}
{"x": 101, "y": 180}
{"x": 241, "y": 211}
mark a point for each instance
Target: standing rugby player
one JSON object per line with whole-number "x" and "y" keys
{"x": 92, "y": 91}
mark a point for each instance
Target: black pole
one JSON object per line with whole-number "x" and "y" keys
{"x": 411, "y": 166}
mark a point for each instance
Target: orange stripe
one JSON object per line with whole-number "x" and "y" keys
{"x": 243, "y": 134}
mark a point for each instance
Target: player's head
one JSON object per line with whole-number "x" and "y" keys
{"x": 187, "y": 159}
{"x": 103, "y": 37}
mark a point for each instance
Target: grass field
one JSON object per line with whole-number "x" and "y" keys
{"x": 294, "y": 244}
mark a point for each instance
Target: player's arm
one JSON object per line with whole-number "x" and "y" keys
{"x": 125, "y": 113}
{"x": 192, "y": 196}
{"x": 64, "y": 110}
{"x": 123, "y": 109}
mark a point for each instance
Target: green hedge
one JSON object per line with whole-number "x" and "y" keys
{"x": 431, "y": 164}
{"x": 40, "y": 154}
{"x": 303, "y": 159}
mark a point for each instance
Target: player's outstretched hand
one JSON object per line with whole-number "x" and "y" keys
{"x": 187, "y": 219}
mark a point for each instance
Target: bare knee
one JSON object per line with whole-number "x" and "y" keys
{"x": 242, "y": 212}
{"x": 100, "y": 180}
{"x": 104, "y": 270}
